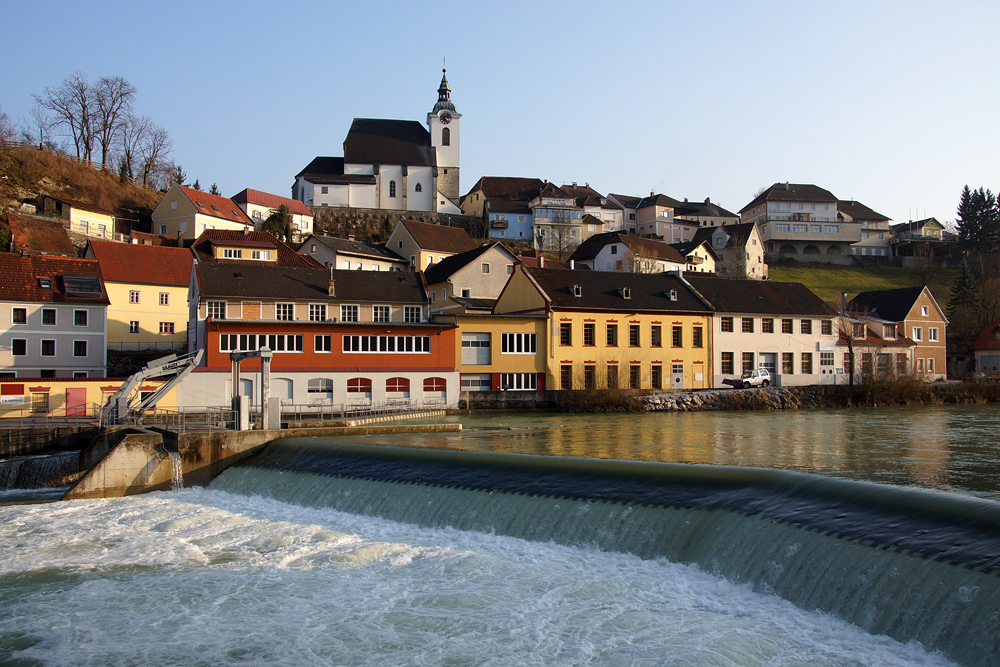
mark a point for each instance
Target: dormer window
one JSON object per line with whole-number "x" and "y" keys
{"x": 625, "y": 292}
{"x": 890, "y": 331}
{"x": 45, "y": 283}
{"x": 577, "y": 290}
{"x": 672, "y": 295}
{"x": 858, "y": 330}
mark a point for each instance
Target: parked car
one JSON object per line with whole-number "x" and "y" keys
{"x": 758, "y": 377}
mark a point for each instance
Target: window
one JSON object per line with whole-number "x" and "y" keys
{"x": 518, "y": 381}
{"x": 253, "y": 342}
{"x": 284, "y": 311}
{"x": 565, "y": 333}
{"x": 923, "y": 311}
{"x": 486, "y": 267}
{"x": 388, "y": 344}
{"x": 380, "y": 313}
{"x": 747, "y": 362}
{"x": 359, "y": 386}
{"x": 397, "y": 385}
{"x": 566, "y": 377}
{"x": 656, "y": 336}
{"x": 589, "y": 334}
{"x": 831, "y": 229}
{"x": 166, "y": 327}
{"x": 932, "y": 334}
{"x": 633, "y": 376}
{"x": 656, "y": 376}
{"x": 726, "y": 324}
{"x": 612, "y": 335}
{"x": 164, "y": 298}
{"x": 232, "y": 253}
{"x": 767, "y": 325}
{"x": 589, "y": 376}
{"x": 348, "y": 313}
{"x": 323, "y": 343}
{"x": 826, "y": 327}
{"x": 19, "y": 347}
{"x": 446, "y": 136}
{"x": 800, "y": 228}
{"x": 782, "y": 228}
{"x": 466, "y": 293}
{"x": 40, "y": 400}
{"x": 79, "y": 348}
{"x": 633, "y": 335}
{"x": 918, "y": 333}
{"x": 215, "y": 309}
{"x": 807, "y": 363}
{"x": 260, "y": 254}
{"x": 786, "y": 326}
{"x": 726, "y": 367}
{"x": 163, "y": 228}
{"x": 890, "y": 331}
{"x": 788, "y": 363}
{"x": 677, "y": 336}
{"x": 746, "y": 324}
{"x": 320, "y": 386}
{"x": 518, "y": 343}
{"x": 323, "y": 190}
{"x": 48, "y": 348}
{"x": 696, "y": 337}
{"x": 20, "y": 316}
{"x": 392, "y": 188}
{"x": 133, "y": 326}
{"x": 317, "y": 312}
{"x": 826, "y": 359}
{"x": 418, "y": 188}
{"x": 79, "y": 318}
{"x": 49, "y": 316}
{"x": 806, "y": 327}
{"x": 930, "y": 364}
{"x": 612, "y": 376}
{"x": 411, "y": 314}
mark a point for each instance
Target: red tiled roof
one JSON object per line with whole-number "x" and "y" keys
{"x": 147, "y": 264}
{"x": 439, "y": 237}
{"x": 216, "y": 206}
{"x": 21, "y": 278}
{"x": 249, "y": 239}
{"x": 39, "y": 235}
{"x": 154, "y": 239}
{"x": 260, "y": 198}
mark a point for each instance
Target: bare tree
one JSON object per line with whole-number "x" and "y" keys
{"x": 113, "y": 96}
{"x": 38, "y": 129}
{"x": 73, "y": 106}
{"x": 153, "y": 148}
{"x": 6, "y": 127}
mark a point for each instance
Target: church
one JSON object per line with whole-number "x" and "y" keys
{"x": 391, "y": 164}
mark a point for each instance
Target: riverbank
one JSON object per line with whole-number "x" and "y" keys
{"x": 872, "y": 394}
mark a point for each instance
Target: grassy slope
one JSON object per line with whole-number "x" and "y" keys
{"x": 828, "y": 282}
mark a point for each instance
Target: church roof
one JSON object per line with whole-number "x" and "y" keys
{"x": 382, "y": 141}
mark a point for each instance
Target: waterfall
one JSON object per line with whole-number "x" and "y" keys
{"x": 914, "y": 565}
{"x": 176, "y": 471}
{"x": 38, "y": 472}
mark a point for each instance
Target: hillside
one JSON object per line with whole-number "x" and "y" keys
{"x": 26, "y": 173}
{"x": 828, "y": 282}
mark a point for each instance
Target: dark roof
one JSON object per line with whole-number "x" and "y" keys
{"x": 284, "y": 282}
{"x": 374, "y": 250}
{"x": 552, "y": 191}
{"x": 658, "y": 200}
{"x": 705, "y": 209}
{"x": 39, "y": 235}
{"x": 508, "y": 187}
{"x": 439, "y": 237}
{"x": 601, "y": 290}
{"x": 286, "y": 256}
{"x": 889, "y": 304}
{"x": 507, "y": 206}
{"x": 987, "y": 338}
{"x": 792, "y": 192}
{"x": 449, "y": 265}
{"x": 859, "y": 211}
{"x": 914, "y": 225}
{"x": 760, "y": 297}
{"x": 323, "y": 166}
{"x": 688, "y": 247}
{"x": 149, "y": 264}
{"x": 70, "y": 279}
{"x": 381, "y": 141}
{"x": 471, "y": 303}
{"x": 641, "y": 247}
{"x": 80, "y": 204}
{"x": 739, "y": 231}
{"x": 626, "y": 200}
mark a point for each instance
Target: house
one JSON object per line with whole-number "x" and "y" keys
{"x": 80, "y": 216}
{"x": 608, "y": 329}
{"x": 423, "y": 243}
{"x": 509, "y": 220}
{"x": 185, "y": 212}
{"x": 655, "y": 218}
{"x": 557, "y": 220}
{"x": 800, "y": 219}
{"x": 782, "y": 327}
{"x": 706, "y": 214}
{"x": 628, "y": 205}
{"x": 622, "y": 251}
{"x": 919, "y": 237}
{"x": 874, "y": 346}
{"x": 740, "y": 250}
{"x": 470, "y": 280}
{"x": 147, "y": 287}
{"x": 500, "y": 352}
{"x": 350, "y": 254}
{"x": 52, "y": 317}
{"x": 259, "y": 206}
{"x": 918, "y": 317}
{"x": 143, "y": 238}
{"x": 38, "y": 236}
{"x": 698, "y": 255}
{"x": 506, "y": 188}
{"x": 338, "y": 337}
{"x": 228, "y": 246}
{"x": 986, "y": 350}
{"x": 875, "y": 229}
{"x": 605, "y": 215}
{"x": 391, "y": 164}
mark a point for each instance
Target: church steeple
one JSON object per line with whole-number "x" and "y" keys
{"x": 444, "y": 94}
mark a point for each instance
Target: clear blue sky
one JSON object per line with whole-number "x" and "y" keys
{"x": 890, "y": 103}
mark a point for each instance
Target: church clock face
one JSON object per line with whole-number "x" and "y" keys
{"x": 445, "y": 117}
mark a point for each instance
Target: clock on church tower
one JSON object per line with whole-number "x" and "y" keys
{"x": 443, "y": 123}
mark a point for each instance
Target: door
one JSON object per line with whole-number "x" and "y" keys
{"x": 76, "y": 402}
{"x": 769, "y": 360}
{"x": 677, "y": 374}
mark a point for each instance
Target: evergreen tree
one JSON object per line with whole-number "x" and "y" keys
{"x": 279, "y": 223}
{"x": 177, "y": 176}
{"x": 214, "y": 190}
{"x": 978, "y": 219}
{"x": 197, "y": 185}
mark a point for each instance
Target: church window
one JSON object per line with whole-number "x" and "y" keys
{"x": 392, "y": 188}
{"x": 446, "y": 137}
{"x": 418, "y": 188}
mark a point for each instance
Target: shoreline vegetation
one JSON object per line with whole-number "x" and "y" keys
{"x": 876, "y": 392}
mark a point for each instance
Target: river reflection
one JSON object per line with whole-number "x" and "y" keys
{"x": 952, "y": 448}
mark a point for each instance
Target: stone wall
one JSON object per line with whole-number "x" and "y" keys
{"x": 374, "y": 225}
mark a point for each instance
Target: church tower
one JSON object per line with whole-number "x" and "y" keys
{"x": 443, "y": 122}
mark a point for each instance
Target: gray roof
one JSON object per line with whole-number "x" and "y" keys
{"x": 889, "y": 304}
{"x": 792, "y": 192}
{"x": 759, "y": 297}
{"x": 601, "y": 290}
{"x": 859, "y": 211}
{"x": 349, "y": 247}
{"x": 254, "y": 281}
{"x": 448, "y": 266}
{"x": 381, "y": 141}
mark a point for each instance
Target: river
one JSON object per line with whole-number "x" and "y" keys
{"x": 289, "y": 561}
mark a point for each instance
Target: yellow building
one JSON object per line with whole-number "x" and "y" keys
{"x": 186, "y": 213}
{"x": 500, "y": 352}
{"x": 67, "y": 397}
{"x": 148, "y": 289}
{"x": 606, "y": 329}
{"x": 81, "y": 217}
{"x": 424, "y": 244}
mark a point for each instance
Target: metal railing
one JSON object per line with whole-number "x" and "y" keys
{"x": 322, "y": 411}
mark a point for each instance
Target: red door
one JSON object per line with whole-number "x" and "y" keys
{"x": 76, "y": 402}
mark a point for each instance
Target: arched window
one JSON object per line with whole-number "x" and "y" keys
{"x": 359, "y": 386}
{"x": 446, "y": 136}
{"x": 418, "y": 188}
{"x": 435, "y": 384}
{"x": 397, "y": 385}
{"x": 392, "y": 188}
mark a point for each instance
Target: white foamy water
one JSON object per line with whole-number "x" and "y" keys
{"x": 202, "y": 577}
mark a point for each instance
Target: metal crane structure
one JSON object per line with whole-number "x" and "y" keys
{"x": 127, "y": 404}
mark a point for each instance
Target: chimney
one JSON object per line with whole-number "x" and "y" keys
{"x": 541, "y": 261}
{"x": 843, "y": 302}
{"x": 350, "y": 237}
{"x": 330, "y": 289}
{"x": 708, "y": 200}
{"x": 572, "y": 264}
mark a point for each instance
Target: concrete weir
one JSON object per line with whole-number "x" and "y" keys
{"x": 140, "y": 461}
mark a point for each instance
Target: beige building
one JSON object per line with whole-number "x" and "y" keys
{"x": 260, "y": 205}
{"x": 187, "y": 213}
{"x": 424, "y": 244}
{"x": 81, "y": 217}
{"x": 469, "y": 281}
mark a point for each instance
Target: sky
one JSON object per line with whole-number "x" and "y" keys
{"x": 893, "y": 104}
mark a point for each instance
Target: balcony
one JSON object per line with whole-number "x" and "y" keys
{"x": 498, "y": 224}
